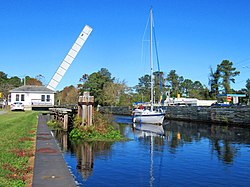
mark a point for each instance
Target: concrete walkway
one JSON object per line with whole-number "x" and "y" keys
{"x": 50, "y": 168}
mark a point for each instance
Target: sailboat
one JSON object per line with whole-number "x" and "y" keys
{"x": 149, "y": 116}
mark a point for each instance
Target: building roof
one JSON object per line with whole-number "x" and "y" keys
{"x": 32, "y": 89}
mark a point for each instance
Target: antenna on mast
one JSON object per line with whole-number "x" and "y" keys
{"x": 69, "y": 57}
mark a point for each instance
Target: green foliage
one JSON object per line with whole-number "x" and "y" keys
{"x": 227, "y": 72}
{"x": 92, "y": 133}
{"x": 6, "y": 84}
{"x": 214, "y": 82}
{"x": 76, "y": 134}
{"x": 54, "y": 124}
{"x": 95, "y": 83}
{"x": 175, "y": 82}
{"x": 77, "y": 122}
{"x": 248, "y": 84}
{"x": 143, "y": 88}
{"x": 69, "y": 95}
{"x": 101, "y": 130}
{"x": 107, "y": 91}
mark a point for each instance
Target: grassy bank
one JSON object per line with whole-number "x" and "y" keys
{"x": 17, "y": 147}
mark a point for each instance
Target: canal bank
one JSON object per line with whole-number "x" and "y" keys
{"x": 50, "y": 168}
{"x": 235, "y": 115}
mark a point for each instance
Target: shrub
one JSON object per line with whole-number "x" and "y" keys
{"x": 101, "y": 130}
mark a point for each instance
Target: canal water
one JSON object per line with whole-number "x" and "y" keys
{"x": 175, "y": 154}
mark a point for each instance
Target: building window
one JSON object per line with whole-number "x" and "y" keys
{"x": 22, "y": 97}
{"x": 10, "y": 98}
{"x": 17, "y": 97}
{"x": 42, "y": 98}
{"x": 48, "y": 98}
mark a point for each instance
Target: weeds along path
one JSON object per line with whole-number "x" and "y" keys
{"x": 17, "y": 138}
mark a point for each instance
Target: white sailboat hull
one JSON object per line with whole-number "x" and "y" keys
{"x": 146, "y": 116}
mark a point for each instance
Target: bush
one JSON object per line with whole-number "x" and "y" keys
{"x": 101, "y": 130}
{"x": 54, "y": 124}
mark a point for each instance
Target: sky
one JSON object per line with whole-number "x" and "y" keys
{"x": 192, "y": 37}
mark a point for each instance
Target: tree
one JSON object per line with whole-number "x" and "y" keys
{"x": 174, "y": 82}
{"x": 95, "y": 84}
{"x": 15, "y": 81}
{"x": 105, "y": 73}
{"x": 126, "y": 98}
{"x": 248, "y": 90}
{"x": 83, "y": 79}
{"x": 227, "y": 72}
{"x": 68, "y": 96}
{"x": 6, "y": 84}
{"x": 32, "y": 81}
{"x": 3, "y": 77}
{"x": 197, "y": 90}
{"x": 121, "y": 97}
{"x": 214, "y": 82}
{"x": 186, "y": 86}
{"x": 248, "y": 84}
{"x": 40, "y": 78}
{"x": 143, "y": 87}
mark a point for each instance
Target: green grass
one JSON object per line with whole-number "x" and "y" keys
{"x": 17, "y": 135}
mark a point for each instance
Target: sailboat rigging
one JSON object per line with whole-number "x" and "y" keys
{"x": 149, "y": 116}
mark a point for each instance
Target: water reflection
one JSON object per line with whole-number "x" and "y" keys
{"x": 224, "y": 140}
{"x": 153, "y": 134}
{"x": 167, "y": 147}
{"x": 85, "y": 159}
{"x": 85, "y": 152}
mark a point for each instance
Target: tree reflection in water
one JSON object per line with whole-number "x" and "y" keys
{"x": 223, "y": 139}
{"x": 223, "y": 143}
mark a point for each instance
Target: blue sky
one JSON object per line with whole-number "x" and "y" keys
{"x": 192, "y": 36}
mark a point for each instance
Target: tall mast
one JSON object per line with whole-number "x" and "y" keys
{"x": 151, "y": 59}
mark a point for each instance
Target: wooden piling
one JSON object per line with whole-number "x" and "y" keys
{"x": 65, "y": 122}
{"x": 62, "y": 115}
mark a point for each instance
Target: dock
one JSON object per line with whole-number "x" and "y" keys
{"x": 50, "y": 168}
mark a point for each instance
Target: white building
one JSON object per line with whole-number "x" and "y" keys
{"x": 32, "y": 96}
{"x": 188, "y": 102}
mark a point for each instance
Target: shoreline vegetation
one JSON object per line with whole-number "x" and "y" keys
{"x": 17, "y": 147}
{"x": 101, "y": 130}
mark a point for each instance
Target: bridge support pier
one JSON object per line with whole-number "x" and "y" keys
{"x": 85, "y": 108}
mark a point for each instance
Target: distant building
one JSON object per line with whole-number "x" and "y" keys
{"x": 188, "y": 102}
{"x": 32, "y": 96}
{"x": 182, "y": 101}
{"x": 231, "y": 97}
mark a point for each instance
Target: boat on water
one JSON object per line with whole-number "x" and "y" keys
{"x": 148, "y": 116}
{"x": 152, "y": 116}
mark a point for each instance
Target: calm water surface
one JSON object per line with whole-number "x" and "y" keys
{"x": 177, "y": 154}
